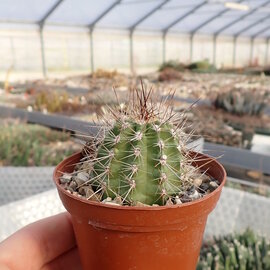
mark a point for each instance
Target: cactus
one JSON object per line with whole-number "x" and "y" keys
{"x": 242, "y": 101}
{"x": 141, "y": 157}
{"x": 236, "y": 252}
{"x": 142, "y": 162}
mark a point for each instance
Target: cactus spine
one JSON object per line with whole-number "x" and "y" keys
{"x": 141, "y": 156}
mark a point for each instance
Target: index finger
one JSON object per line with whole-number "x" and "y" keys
{"x": 38, "y": 243}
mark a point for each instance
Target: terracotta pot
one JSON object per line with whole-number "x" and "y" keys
{"x": 141, "y": 238}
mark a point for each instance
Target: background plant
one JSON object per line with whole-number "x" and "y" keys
{"x": 173, "y": 64}
{"x": 198, "y": 66}
{"x": 51, "y": 101}
{"x": 242, "y": 101}
{"x": 245, "y": 251}
{"x": 202, "y": 66}
{"x": 33, "y": 145}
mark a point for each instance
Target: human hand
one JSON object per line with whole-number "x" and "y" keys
{"x": 48, "y": 244}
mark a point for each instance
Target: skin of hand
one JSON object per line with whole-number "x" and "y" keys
{"x": 48, "y": 244}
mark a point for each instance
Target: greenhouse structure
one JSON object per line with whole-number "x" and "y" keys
{"x": 69, "y": 35}
{"x": 135, "y": 134}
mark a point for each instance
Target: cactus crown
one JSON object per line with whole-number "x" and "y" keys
{"x": 141, "y": 156}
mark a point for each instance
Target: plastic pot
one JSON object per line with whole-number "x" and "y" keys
{"x": 141, "y": 238}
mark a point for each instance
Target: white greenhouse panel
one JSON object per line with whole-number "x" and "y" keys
{"x": 82, "y": 12}
{"x": 26, "y": 10}
{"x": 127, "y": 13}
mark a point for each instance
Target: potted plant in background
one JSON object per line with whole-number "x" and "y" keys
{"x": 139, "y": 199}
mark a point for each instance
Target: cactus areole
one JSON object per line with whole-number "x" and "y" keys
{"x": 139, "y": 199}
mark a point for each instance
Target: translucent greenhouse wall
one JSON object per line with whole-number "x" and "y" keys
{"x": 70, "y": 52}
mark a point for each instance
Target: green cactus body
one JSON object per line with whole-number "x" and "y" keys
{"x": 139, "y": 162}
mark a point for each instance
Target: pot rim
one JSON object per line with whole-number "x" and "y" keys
{"x": 139, "y": 208}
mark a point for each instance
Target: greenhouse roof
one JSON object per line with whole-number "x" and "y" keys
{"x": 215, "y": 17}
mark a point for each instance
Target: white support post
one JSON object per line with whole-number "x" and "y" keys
{"x": 131, "y": 52}
{"x": 13, "y": 52}
{"x": 214, "y": 49}
{"x": 92, "y": 63}
{"x": 266, "y": 52}
{"x": 164, "y": 35}
{"x": 43, "y": 59}
{"x": 191, "y": 48}
{"x": 234, "y": 51}
{"x": 251, "y": 50}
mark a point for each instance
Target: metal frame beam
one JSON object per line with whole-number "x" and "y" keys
{"x": 49, "y": 12}
{"x": 261, "y": 31}
{"x": 240, "y": 18}
{"x": 167, "y": 28}
{"x": 103, "y": 14}
{"x": 41, "y": 24}
{"x": 91, "y": 27}
{"x": 194, "y": 31}
{"x": 251, "y": 25}
{"x": 132, "y": 28}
